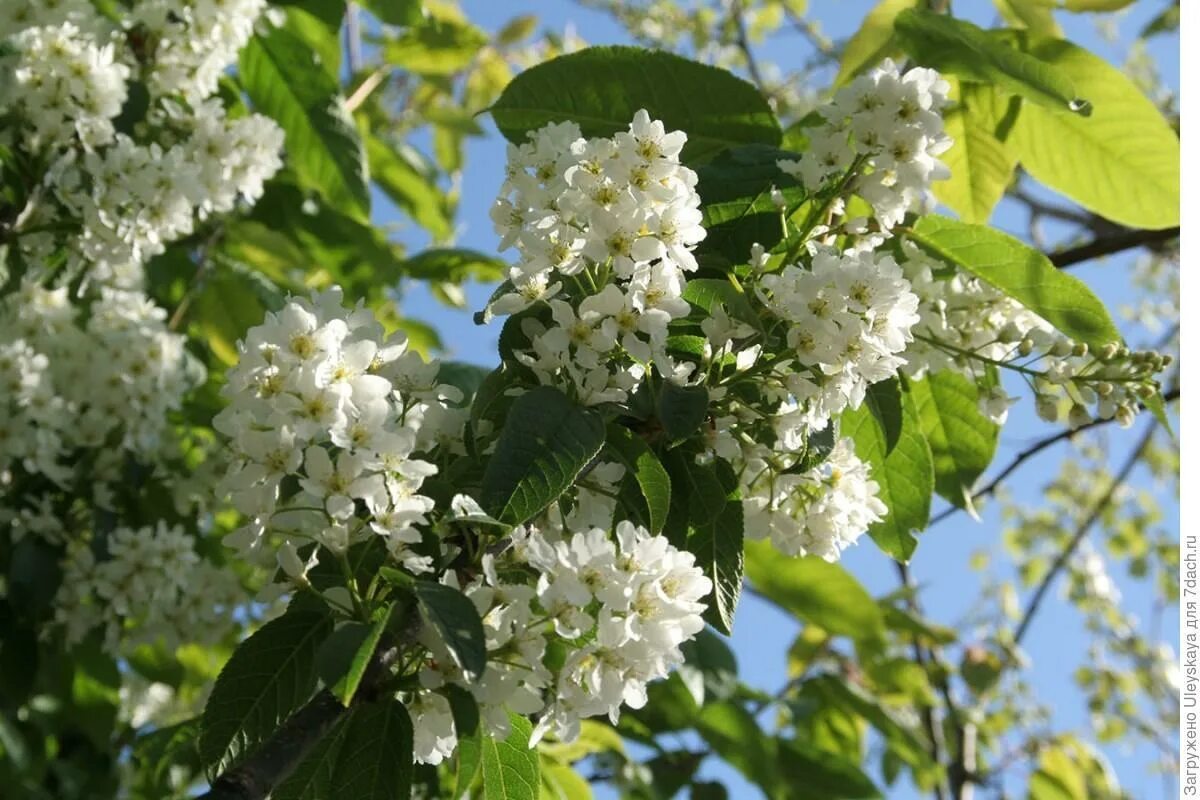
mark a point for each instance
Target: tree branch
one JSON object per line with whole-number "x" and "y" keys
{"x": 1108, "y": 245}
{"x": 276, "y": 758}
{"x": 1029, "y": 453}
{"x": 1039, "y": 594}
{"x": 743, "y": 43}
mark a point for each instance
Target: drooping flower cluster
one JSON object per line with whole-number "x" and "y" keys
{"x": 619, "y": 215}
{"x": 118, "y": 190}
{"x": 849, "y": 319}
{"x": 103, "y": 382}
{"x": 818, "y": 512}
{"x": 888, "y": 123}
{"x": 321, "y": 398}
{"x": 619, "y": 605}
{"x": 148, "y": 586}
{"x": 968, "y": 326}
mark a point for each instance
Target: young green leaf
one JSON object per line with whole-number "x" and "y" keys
{"x": 815, "y": 590}
{"x": 707, "y": 293}
{"x": 284, "y": 81}
{"x": 546, "y": 442}
{"x": 510, "y": 767}
{"x": 981, "y": 165}
{"x": 961, "y": 439}
{"x": 1022, "y": 273}
{"x": 348, "y": 684}
{"x": 435, "y": 47}
{"x": 1122, "y": 162}
{"x": 640, "y": 462}
{"x": 960, "y": 48}
{"x": 904, "y": 473}
{"x": 269, "y": 676}
{"x": 453, "y": 615}
{"x": 408, "y": 182}
{"x": 874, "y": 40}
{"x": 601, "y": 88}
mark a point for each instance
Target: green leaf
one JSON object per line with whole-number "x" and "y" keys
{"x": 736, "y": 736}
{"x": 1022, "y": 273}
{"x": 287, "y": 83}
{"x": 375, "y": 757}
{"x": 546, "y": 442}
{"x": 601, "y": 88}
{"x": 707, "y": 293}
{"x": 313, "y": 775}
{"x": 961, "y": 439}
{"x": 469, "y": 752}
{"x": 640, "y": 462}
{"x": 403, "y": 176}
{"x": 738, "y": 209}
{"x": 435, "y": 47}
{"x": 968, "y": 51}
{"x": 1095, "y": 5}
{"x": 717, "y": 544}
{"x": 814, "y": 774}
{"x": 510, "y": 767}
{"x": 904, "y": 473}
{"x": 269, "y": 676}
{"x": 455, "y": 265}
{"x": 453, "y": 615}
{"x": 682, "y": 409}
{"x": 901, "y": 733}
{"x": 345, "y": 688}
{"x": 396, "y": 12}
{"x": 813, "y": 589}
{"x": 981, "y": 166}
{"x": 1122, "y": 162}
{"x": 560, "y": 782}
{"x": 1036, "y": 15}
{"x": 874, "y": 40}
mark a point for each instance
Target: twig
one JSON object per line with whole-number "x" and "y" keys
{"x": 1029, "y": 453}
{"x": 1039, "y": 594}
{"x": 743, "y": 43}
{"x": 369, "y": 84}
{"x": 1109, "y": 245}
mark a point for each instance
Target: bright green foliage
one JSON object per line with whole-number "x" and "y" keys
{"x": 874, "y": 40}
{"x": 961, "y": 439}
{"x": 510, "y": 767}
{"x": 1022, "y": 273}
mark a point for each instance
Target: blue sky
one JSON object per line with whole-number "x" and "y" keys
{"x": 1056, "y": 643}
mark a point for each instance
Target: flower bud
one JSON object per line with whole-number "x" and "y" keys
{"x": 1025, "y": 347}
{"x": 1062, "y": 348}
{"x": 1104, "y": 388}
{"x": 1078, "y": 416}
{"x": 1125, "y": 416}
{"x": 1079, "y": 350}
{"x": 1047, "y": 407}
{"x": 1109, "y": 351}
{"x": 289, "y": 561}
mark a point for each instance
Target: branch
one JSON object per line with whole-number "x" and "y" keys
{"x": 743, "y": 43}
{"x": 1108, "y": 245}
{"x": 274, "y": 760}
{"x": 1032, "y": 451}
{"x": 1060, "y": 563}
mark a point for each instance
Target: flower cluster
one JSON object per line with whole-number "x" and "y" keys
{"x": 620, "y": 605}
{"x": 147, "y": 585}
{"x": 103, "y": 383}
{"x": 321, "y": 400}
{"x": 117, "y": 194}
{"x": 849, "y": 318}
{"x": 817, "y": 512}
{"x": 618, "y": 215}
{"x": 968, "y": 326}
{"x": 888, "y": 123}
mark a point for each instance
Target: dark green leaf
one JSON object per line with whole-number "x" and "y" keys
{"x": 738, "y": 208}
{"x": 968, "y": 51}
{"x": 707, "y": 293}
{"x": 454, "y": 617}
{"x": 682, "y": 409}
{"x": 269, "y": 676}
{"x": 546, "y": 442}
{"x": 469, "y": 752}
{"x": 961, "y": 439}
{"x": 375, "y": 757}
{"x": 717, "y": 544}
{"x": 640, "y": 462}
{"x": 601, "y": 88}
